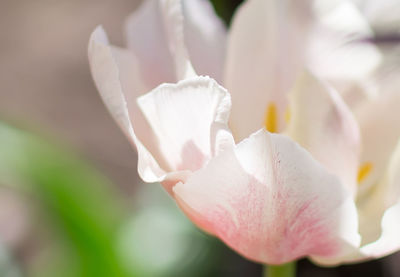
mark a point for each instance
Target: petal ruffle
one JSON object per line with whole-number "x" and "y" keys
{"x": 190, "y": 121}
{"x": 262, "y": 65}
{"x": 321, "y": 122}
{"x": 179, "y": 127}
{"x": 271, "y": 201}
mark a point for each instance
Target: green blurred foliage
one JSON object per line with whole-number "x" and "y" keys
{"x": 96, "y": 235}
{"x": 75, "y": 197}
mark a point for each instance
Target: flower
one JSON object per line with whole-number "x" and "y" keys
{"x": 271, "y": 197}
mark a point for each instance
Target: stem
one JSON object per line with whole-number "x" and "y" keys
{"x": 285, "y": 270}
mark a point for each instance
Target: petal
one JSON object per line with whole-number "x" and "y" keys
{"x": 271, "y": 201}
{"x": 383, "y": 15}
{"x": 205, "y": 38}
{"x": 339, "y": 32}
{"x": 190, "y": 121}
{"x": 339, "y": 49}
{"x": 155, "y": 34}
{"x": 321, "y": 122}
{"x": 265, "y": 52}
{"x": 379, "y": 213}
{"x": 116, "y": 75}
{"x": 379, "y": 120}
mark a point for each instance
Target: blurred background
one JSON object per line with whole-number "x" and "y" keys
{"x": 71, "y": 203}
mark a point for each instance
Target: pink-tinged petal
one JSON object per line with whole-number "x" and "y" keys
{"x": 116, "y": 76}
{"x": 155, "y": 34}
{"x": 271, "y": 201}
{"x": 205, "y": 37}
{"x": 264, "y": 53}
{"x": 379, "y": 120}
{"x": 322, "y": 123}
{"x": 190, "y": 121}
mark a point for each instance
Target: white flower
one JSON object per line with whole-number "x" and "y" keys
{"x": 271, "y": 197}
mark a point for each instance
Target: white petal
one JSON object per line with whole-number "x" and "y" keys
{"x": 321, "y": 122}
{"x": 373, "y": 207}
{"x": 190, "y": 121}
{"x": 155, "y": 34}
{"x": 338, "y": 50}
{"x": 379, "y": 213}
{"x": 116, "y": 76}
{"x": 379, "y": 121}
{"x": 265, "y": 52}
{"x": 271, "y": 201}
{"x": 383, "y": 15}
{"x": 205, "y": 37}
{"x": 389, "y": 241}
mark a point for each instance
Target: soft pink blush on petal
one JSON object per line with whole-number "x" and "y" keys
{"x": 271, "y": 202}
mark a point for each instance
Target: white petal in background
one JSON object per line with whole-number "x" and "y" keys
{"x": 379, "y": 213}
{"x": 383, "y": 15}
{"x": 264, "y": 53}
{"x": 338, "y": 49}
{"x": 155, "y": 33}
{"x": 272, "y": 202}
{"x": 379, "y": 120}
{"x": 322, "y": 123}
{"x": 205, "y": 38}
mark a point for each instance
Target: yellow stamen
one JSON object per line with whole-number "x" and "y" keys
{"x": 288, "y": 115}
{"x": 271, "y": 118}
{"x": 364, "y": 170}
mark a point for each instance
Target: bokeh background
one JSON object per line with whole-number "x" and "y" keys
{"x": 71, "y": 202}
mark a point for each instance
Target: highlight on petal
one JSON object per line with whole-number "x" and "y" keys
{"x": 205, "y": 38}
{"x": 262, "y": 65}
{"x": 269, "y": 200}
{"x": 155, "y": 33}
{"x": 190, "y": 121}
{"x": 110, "y": 68}
{"x": 322, "y": 124}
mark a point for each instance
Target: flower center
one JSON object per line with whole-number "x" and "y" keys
{"x": 271, "y": 118}
{"x": 364, "y": 170}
